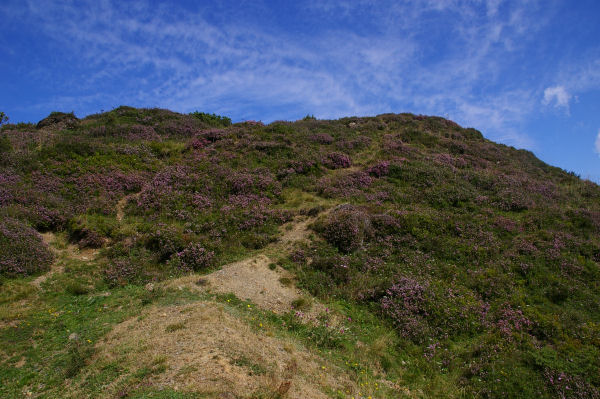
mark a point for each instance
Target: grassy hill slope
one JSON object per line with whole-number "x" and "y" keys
{"x": 458, "y": 267}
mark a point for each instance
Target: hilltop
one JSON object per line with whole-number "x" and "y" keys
{"x": 146, "y": 253}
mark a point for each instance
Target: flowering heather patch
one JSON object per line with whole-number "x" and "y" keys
{"x": 194, "y": 257}
{"x": 182, "y": 127}
{"x": 142, "y": 132}
{"x": 165, "y": 241}
{"x": 355, "y": 144}
{"x": 134, "y": 132}
{"x": 336, "y": 160}
{"x": 344, "y": 185}
{"x": 44, "y": 218}
{"x": 113, "y": 183}
{"x": 298, "y": 256}
{"x": 22, "y": 250}
{"x": 379, "y": 170}
{"x": 120, "y": 272}
{"x": 201, "y": 201}
{"x": 246, "y": 200}
{"x": 198, "y": 143}
{"x": 346, "y": 228}
{"x": 212, "y": 135}
{"x": 257, "y": 181}
{"x": 393, "y": 144}
{"x": 511, "y": 320}
{"x": 301, "y": 167}
{"x": 7, "y": 182}
{"x": 506, "y": 224}
{"x": 565, "y": 386}
{"x": 321, "y": 138}
{"x": 166, "y": 185}
{"x": 85, "y": 237}
{"x": 449, "y": 161}
{"x": 421, "y": 310}
{"x": 404, "y": 303}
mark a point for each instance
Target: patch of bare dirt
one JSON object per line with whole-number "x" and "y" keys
{"x": 295, "y": 232}
{"x": 122, "y": 203}
{"x": 204, "y": 349}
{"x": 253, "y": 279}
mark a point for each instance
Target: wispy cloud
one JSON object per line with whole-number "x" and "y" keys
{"x": 557, "y": 96}
{"x": 597, "y": 143}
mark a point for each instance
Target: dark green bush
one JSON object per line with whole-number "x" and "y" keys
{"x": 212, "y": 119}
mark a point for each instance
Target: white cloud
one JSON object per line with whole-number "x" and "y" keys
{"x": 597, "y": 143}
{"x": 558, "y": 96}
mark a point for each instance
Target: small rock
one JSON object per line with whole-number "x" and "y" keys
{"x": 74, "y": 337}
{"x": 149, "y": 287}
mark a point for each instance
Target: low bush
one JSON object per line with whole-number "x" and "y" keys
{"x": 212, "y": 119}
{"x": 193, "y": 257}
{"x": 346, "y": 228}
{"x": 22, "y": 250}
{"x": 337, "y": 160}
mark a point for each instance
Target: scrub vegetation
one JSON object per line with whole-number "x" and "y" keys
{"x": 436, "y": 263}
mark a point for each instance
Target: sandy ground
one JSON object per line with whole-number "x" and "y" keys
{"x": 252, "y": 279}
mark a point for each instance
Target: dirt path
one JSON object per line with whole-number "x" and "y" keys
{"x": 203, "y": 348}
{"x": 70, "y": 251}
{"x": 122, "y": 203}
{"x": 258, "y": 279}
{"x": 62, "y": 252}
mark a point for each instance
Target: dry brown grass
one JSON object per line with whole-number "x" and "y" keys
{"x": 215, "y": 353}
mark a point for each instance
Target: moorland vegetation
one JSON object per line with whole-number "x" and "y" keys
{"x": 465, "y": 268}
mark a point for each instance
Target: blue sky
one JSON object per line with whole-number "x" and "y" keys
{"x": 526, "y": 73}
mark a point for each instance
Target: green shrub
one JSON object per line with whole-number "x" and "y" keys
{"x": 212, "y": 119}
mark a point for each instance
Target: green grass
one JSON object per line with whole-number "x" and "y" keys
{"x": 51, "y": 318}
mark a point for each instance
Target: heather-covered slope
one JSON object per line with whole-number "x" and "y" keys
{"x": 464, "y": 267}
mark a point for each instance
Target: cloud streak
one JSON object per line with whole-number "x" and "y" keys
{"x": 557, "y": 96}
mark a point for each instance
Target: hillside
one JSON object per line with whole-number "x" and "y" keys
{"x": 150, "y": 254}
